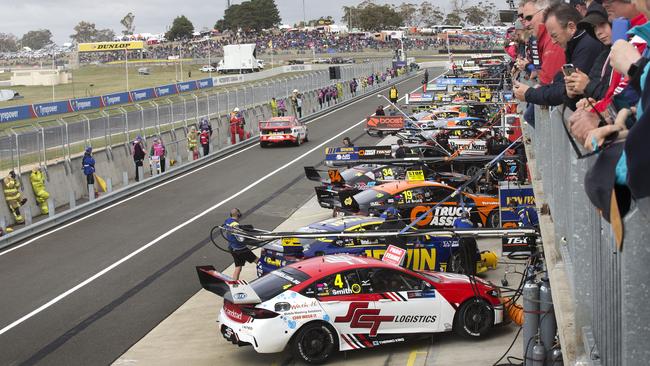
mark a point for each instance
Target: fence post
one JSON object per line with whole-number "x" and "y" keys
{"x": 171, "y": 111}
{"x": 17, "y": 150}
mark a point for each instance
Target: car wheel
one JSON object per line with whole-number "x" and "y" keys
{"x": 315, "y": 343}
{"x": 474, "y": 318}
{"x": 263, "y": 144}
{"x": 493, "y": 219}
{"x": 471, "y": 170}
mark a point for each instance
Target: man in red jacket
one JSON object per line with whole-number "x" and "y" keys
{"x": 551, "y": 55}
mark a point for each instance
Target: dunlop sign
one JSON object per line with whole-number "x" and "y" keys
{"x": 110, "y": 46}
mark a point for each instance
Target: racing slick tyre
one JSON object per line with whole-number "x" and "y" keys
{"x": 492, "y": 219}
{"x": 315, "y": 343}
{"x": 474, "y": 318}
{"x": 472, "y": 170}
{"x": 463, "y": 261}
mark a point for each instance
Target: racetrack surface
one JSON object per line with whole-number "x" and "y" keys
{"x": 84, "y": 294}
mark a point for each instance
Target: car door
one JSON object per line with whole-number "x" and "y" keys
{"x": 412, "y": 303}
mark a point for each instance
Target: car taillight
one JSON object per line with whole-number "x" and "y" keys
{"x": 257, "y": 313}
{"x": 263, "y": 253}
{"x": 292, "y": 258}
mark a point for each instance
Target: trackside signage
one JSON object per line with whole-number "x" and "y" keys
{"x": 394, "y": 255}
{"x": 110, "y": 46}
{"x": 16, "y": 113}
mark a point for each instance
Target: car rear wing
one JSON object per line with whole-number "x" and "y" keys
{"x": 349, "y": 154}
{"x": 334, "y": 176}
{"x": 235, "y": 291}
{"x": 417, "y": 159}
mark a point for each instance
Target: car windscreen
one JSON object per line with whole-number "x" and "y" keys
{"x": 276, "y": 282}
{"x": 370, "y": 195}
{"x": 276, "y": 124}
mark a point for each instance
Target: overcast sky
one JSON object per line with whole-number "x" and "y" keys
{"x": 152, "y": 16}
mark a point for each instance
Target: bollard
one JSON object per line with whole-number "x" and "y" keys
{"x": 547, "y": 324}
{"x": 91, "y": 192}
{"x": 27, "y": 213}
{"x": 125, "y": 178}
{"x": 72, "y": 199}
{"x": 51, "y": 207}
{"x": 141, "y": 172}
{"x": 531, "y": 317}
{"x": 109, "y": 185}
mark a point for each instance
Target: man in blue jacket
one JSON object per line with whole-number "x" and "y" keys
{"x": 239, "y": 251}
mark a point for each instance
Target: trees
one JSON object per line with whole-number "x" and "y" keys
{"x": 37, "y": 39}
{"x": 481, "y": 14}
{"x": 8, "y": 42}
{"x": 181, "y": 28}
{"x": 372, "y": 17}
{"x": 87, "y": 32}
{"x": 250, "y": 15}
{"x": 409, "y": 13}
{"x": 128, "y": 23}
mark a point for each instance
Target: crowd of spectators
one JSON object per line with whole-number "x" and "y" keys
{"x": 590, "y": 59}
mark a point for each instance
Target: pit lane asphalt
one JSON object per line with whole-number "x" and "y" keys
{"x": 98, "y": 322}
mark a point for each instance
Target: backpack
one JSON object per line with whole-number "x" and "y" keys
{"x": 204, "y": 137}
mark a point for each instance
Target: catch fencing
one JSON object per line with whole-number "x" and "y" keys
{"x": 42, "y": 143}
{"x": 601, "y": 295}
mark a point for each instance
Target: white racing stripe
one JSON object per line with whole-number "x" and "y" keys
{"x": 173, "y": 230}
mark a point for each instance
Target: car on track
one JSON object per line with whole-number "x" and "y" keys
{"x": 361, "y": 177}
{"x": 435, "y": 253}
{"x": 342, "y": 302}
{"x": 287, "y": 129}
{"x": 413, "y": 198}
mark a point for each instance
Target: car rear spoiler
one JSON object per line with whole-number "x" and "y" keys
{"x": 333, "y": 174}
{"x": 347, "y": 200}
{"x": 235, "y": 291}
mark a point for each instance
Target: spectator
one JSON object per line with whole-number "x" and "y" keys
{"x": 204, "y": 139}
{"x": 13, "y": 196}
{"x": 294, "y": 102}
{"x": 237, "y": 123}
{"x": 282, "y": 108}
{"x": 393, "y": 95}
{"x": 380, "y": 111}
{"x": 88, "y": 166}
{"x": 38, "y": 187}
{"x": 347, "y": 142}
{"x": 321, "y": 98}
{"x": 581, "y": 49}
{"x": 353, "y": 86}
{"x": 274, "y": 107}
{"x": 138, "y": 156}
{"x": 299, "y": 105}
{"x": 339, "y": 89}
{"x": 595, "y": 84}
{"x": 158, "y": 150}
{"x": 192, "y": 143}
{"x": 580, "y": 6}
{"x": 402, "y": 150}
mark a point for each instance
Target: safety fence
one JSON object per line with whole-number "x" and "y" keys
{"x": 42, "y": 142}
{"x": 600, "y": 293}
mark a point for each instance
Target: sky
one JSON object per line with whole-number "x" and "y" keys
{"x": 152, "y": 16}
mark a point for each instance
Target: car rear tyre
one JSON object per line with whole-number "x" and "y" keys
{"x": 471, "y": 170}
{"x": 474, "y": 318}
{"x": 263, "y": 144}
{"x": 315, "y": 343}
{"x": 492, "y": 219}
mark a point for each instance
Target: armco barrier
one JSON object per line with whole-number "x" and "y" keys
{"x": 117, "y": 159}
{"x": 600, "y": 295}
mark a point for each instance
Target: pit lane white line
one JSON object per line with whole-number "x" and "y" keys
{"x": 175, "y": 229}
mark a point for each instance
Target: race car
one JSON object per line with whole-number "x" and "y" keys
{"x": 282, "y": 130}
{"x": 414, "y": 198}
{"x": 342, "y": 302}
{"x": 435, "y": 253}
{"x": 361, "y": 177}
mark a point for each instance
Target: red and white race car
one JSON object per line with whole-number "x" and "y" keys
{"x": 342, "y": 302}
{"x": 282, "y": 130}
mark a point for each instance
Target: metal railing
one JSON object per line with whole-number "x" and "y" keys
{"x": 601, "y": 294}
{"x": 60, "y": 139}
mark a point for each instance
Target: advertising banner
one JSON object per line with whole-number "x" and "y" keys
{"x": 456, "y": 81}
{"x": 16, "y": 113}
{"x": 142, "y": 94}
{"x": 116, "y": 98}
{"x": 385, "y": 123}
{"x": 394, "y": 255}
{"x": 84, "y": 104}
{"x": 205, "y": 83}
{"x": 48, "y": 109}
{"x": 186, "y": 86}
{"x": 164, "y": 90}
{"x": 110, "y": 46}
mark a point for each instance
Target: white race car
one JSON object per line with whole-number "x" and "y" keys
{"x": 342, "y": 302}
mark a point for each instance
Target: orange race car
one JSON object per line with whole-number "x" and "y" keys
{"x": 415, "y": 197}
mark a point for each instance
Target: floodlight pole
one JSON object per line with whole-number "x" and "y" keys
{"x": 126, "y": 67}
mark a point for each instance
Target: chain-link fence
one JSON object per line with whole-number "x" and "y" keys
{"x": 601, "y": 308}
{"x": 63, "y": 138}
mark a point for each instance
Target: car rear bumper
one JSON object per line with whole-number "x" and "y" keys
{"x": 274, "y": 139}
{"x": 264, "y": 335}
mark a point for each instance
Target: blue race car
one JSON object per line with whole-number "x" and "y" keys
{"x": 430, "y": 253}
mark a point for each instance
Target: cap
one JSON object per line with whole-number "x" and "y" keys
{"x": 596, "y": 15}
{"x": 89, "y": 149}
{"x": 236, "y": 109}
{"x": 295, "y": 90}
{"x": 612, "y": 201}
{"x": 576, "y": 2}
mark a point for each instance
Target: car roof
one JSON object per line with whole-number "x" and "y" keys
{"x": 318, "y": 267}
{"x": 401, "y": 185}
{"x": 343, "y": 223}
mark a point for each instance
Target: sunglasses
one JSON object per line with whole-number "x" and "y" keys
{"x": 529, "y": 18}
{"x": 520, "y": 15}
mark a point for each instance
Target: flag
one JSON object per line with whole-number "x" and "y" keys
{"x": 100, "y": 183}
{"x": 271, "y": 43}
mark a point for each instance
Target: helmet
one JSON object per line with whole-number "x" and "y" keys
{"x": 236, "y": 109}
{"x": 295, "y": 90}
{"x": 89, "y": 149}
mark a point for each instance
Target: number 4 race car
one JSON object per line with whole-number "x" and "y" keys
{"x": 282, "y": 130}
{"x": 342, "y": 302}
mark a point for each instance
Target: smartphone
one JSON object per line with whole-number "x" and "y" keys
{"x": 620, "y": 26}
{"x": 568, "y": 69}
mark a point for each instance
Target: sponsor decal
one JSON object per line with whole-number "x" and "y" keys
{"x": 285, "y": 276}
{"x": 234, "y": 314}
{"x": 421, "y": 294}
{"x": 416, "y": 258}
{"x": 415, "y": 319}
{"x": 343, "y": 291}
{"x": 387, "y": 341}
{"x": 394, "y": 255}
{"x": 239, "y": 296}
{"x": 110, "y": 46}
{"x": 360, "y": 316}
